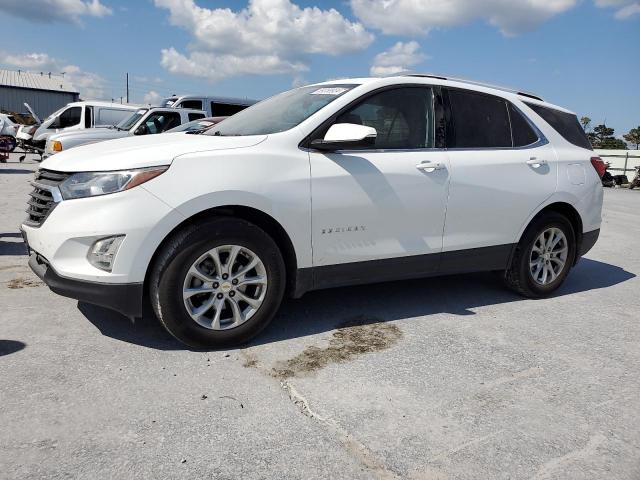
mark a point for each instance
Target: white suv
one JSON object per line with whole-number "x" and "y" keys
{"x": 339, "y": 183}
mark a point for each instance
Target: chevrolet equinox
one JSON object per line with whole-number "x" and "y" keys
{"x": 338, "y": 183}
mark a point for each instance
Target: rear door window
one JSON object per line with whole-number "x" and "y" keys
{"x": 195, "y": 104}
{"x": 195, "y": 116}
{"x": 523, "y": 133}
{"x": 479, "y": 121}
{"x": 225, "y": 109}
{"x": 566, "y": 124}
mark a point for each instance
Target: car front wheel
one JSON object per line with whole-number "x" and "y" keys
{"x": 218, "y": 284}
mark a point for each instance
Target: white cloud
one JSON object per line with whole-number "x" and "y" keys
{"x": 397, "y": 59}
{"x": 417, "y": 17}
{"x": 611, "y": 3}
{"x": 299, "y": 81}
{"x": 152, "y": 97}
{"x": 55, "y": 10}
{"x": 628, "y": 11}
{"x": 90, "y": 85}
{"x": 214, "y": 66}
{"x": 267, "y": 37}
{"x": 143, "y": 79}
{"x": 625, "y": 9}
{"x": 28, "y": 61}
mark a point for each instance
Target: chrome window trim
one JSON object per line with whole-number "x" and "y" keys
{"x": 539, "y": 143}
{"x": 542, "y": 140}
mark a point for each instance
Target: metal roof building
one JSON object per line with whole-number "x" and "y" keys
{"x": 44, "y": 92}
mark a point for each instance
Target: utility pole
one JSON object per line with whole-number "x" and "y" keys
{"x": 127, "y": 87}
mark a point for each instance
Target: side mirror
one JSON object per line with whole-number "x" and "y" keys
{"x": 343, "y": 136}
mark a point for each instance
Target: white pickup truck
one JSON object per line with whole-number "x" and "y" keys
{"x": 144, "y": 121}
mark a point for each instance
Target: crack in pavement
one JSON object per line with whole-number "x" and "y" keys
{"x": 360, "y": 451}
{"x": 352, "y": 339}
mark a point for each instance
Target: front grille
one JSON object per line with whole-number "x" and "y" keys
{"x": 44, "y": 197}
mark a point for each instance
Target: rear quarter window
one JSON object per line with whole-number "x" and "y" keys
{"x": 566, "y": 124}
{"x": 522, "y": 132}
{"x": 111, "y": 116}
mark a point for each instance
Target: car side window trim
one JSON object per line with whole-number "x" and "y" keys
{"x": 542, "y": 140}
{"x": 436, "y": 108}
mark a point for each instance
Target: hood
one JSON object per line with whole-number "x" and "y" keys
{"x": 33, "y": 114}
{"x": 142, "y": 151}
{"x": 89, "y": 134}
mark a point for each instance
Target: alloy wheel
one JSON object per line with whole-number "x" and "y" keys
{"x": 548, "y": 256}
{"x": 225, "y": 287}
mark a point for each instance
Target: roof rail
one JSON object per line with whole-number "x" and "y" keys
{"x": 473, "y": 82}
{"x": 530, "y": 95}
{"x": 426, "y": 75}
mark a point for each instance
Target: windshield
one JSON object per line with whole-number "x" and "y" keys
{"x": 56, "y": 113}
{"x": 281, "y": 112}
{"x": 129, "y": 122}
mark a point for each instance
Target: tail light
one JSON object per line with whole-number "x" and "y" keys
{"x": 599, "y": 165}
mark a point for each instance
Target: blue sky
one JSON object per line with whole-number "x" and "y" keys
{"x": 581, "y": 54}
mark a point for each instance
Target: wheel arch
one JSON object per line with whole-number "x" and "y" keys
{"x": 253, "y": 215}
{"x": 568, "y": 211}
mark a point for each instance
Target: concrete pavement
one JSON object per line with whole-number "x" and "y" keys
{"x": 441, "y": 378}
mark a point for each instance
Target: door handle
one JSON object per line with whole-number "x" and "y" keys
{"x": 430, "y": 166}
{"x": 535, "y": 162}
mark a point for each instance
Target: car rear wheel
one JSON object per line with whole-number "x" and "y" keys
{"x": 544, "y": 256}
{"x": 218, "y": 284}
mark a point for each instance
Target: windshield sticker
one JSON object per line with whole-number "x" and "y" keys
{"x": 329, "y": 91}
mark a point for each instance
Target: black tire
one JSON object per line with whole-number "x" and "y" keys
{"x": 179, "y": 253}
{"x": 518, "y": 276}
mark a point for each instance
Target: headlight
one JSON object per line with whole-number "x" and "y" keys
{"x": 91, "y": 184}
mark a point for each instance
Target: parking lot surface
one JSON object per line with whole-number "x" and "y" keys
{"x": 443, "y": 378}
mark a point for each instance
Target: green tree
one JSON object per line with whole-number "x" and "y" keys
{"x": 613, "y": 144}
{"x": 603, "y": 137}
{"x": 586, "y": 123}
{"x": 633, "y": 137}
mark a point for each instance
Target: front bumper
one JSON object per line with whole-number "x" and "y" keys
{"x": 71, "y": 228}
{"x": 125, "y": 298}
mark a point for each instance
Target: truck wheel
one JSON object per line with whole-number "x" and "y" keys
{"x": 217, "y": 284}
{"x": 544, "y": 256}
